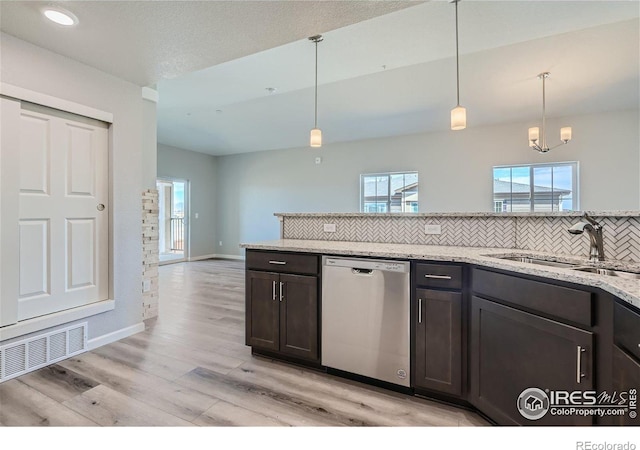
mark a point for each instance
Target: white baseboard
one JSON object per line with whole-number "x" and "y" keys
{"x": 114, "y": 336}
{"x": 238, "y": 257}
{"x": 216, "y": 255}
{"x": 200, "y": 258}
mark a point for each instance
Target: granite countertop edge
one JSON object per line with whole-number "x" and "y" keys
{"x": 624, "y": 288}
{"x": 621, "y": 213}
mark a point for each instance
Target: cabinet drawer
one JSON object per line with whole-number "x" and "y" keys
{"x": 282, "y": 262}
{"x": 438, "y": 276}
{"x": 557, "y": 301}
{"x": 626, "y": 329}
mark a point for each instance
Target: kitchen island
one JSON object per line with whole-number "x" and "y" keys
{"x": 507, "y": 325}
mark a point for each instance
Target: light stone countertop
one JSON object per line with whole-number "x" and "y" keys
{"x": 501, "y": 215}
{"x": 623, "y": 288}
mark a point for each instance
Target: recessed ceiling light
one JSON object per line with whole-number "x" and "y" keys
{"x": 60, "y": 16}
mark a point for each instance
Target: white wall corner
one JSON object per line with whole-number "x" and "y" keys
{"x": 150, "y": 94}
{"x": 114, "y": 336}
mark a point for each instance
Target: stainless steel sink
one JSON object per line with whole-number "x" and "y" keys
{"x": 609, "y": 272}
{"x": 540, "y": 262}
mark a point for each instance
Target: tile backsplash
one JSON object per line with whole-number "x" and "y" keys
{"x": 527, "y": 232}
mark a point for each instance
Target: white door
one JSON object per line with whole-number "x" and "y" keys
{"x": 62, "y": 221}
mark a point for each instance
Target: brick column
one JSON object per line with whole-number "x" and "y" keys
{"x": 150, "y": 250}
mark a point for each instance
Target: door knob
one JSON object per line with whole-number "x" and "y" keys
{"x": 100, "y": 207}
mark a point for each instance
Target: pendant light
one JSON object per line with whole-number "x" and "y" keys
{"x": 316, "y": 134}
{"x": 540, "y": 145}
{"x": 459, "y": 113}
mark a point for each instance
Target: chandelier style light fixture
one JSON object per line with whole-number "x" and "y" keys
{"x": 316, "y": 134}
{"x": 459, "y": 113}
{"x": 535, "y": 142}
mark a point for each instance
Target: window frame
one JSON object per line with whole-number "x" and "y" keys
{"x": 575, "y": 172}
{"x": 388, "y": 195}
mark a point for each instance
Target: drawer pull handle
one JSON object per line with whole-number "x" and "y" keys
{"x": 438, "y": 277}
{"x": 274, "y": 291}
{"x": 281, "y": 291}
{"x": 279, "y": 263}
{"x": 579, "y": 374}
{"x": 419, "y": 310}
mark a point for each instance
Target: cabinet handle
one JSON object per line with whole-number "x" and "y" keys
{"x": 438, "y": 277}
{"x": 419, "y": 310}
{"x": 579, "y": 374}
{"x": 281, "y": 291}
{"x": 279, "y": 263}
{"x": 274, "y": 291}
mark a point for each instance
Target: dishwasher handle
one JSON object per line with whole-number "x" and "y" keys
{"x": 358, "y": 271}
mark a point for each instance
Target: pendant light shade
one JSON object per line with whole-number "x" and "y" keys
{"x": 315, "y": 139}
{"x": 459, "y": 113}
{"x": 458, "y": 118}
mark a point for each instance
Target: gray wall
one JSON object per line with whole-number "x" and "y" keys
{"x": 455, "y": 172}
{"x": 149, "y": 144}
{"x": 36, "y": 69}
{"x": 200, "y": 170}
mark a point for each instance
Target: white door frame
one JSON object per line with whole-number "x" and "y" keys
{"x": 19, "y": 94}
{"x": 187, "y": 216}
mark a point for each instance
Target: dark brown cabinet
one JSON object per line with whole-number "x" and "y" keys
{"x": 282, "y": 308}
{"x": 512, "y": 350}
{"x": 626, "y": 378}
{"x": 626, "y": 360}
{"x": 263, "y": 310}
{"x": 438, "y": 325}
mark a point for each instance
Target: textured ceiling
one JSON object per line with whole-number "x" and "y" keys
{"x": 146, "y": 41}
{"x": 385, "y": 68}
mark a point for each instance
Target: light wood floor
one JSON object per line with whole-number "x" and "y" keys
{"x": 191, "y": 367}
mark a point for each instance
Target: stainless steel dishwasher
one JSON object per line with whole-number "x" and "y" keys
{"x": 365, "y": 317}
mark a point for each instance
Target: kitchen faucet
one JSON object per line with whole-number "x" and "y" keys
{"x": 594, "y": 229}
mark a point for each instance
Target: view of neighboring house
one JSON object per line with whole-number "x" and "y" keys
{"x": 509, "y": 196}
{"x": 389, "y": 192}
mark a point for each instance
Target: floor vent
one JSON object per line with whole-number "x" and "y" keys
{"x": 35, "y": 352}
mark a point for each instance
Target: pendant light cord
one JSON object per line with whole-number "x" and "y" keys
{"x": 544, "y": 137}
{"x": 315, "y": 121}
{"x": 457, "y": 59}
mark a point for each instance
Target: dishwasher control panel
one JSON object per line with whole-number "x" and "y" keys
{"x": 368, "y": 264}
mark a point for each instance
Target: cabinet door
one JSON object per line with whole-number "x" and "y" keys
{"x": 626, "y": 376}
{"x": 438, "y": 346}
{"x": 299, "y": 316}
{"x": 262, "y": 310}
{"x": 512, "y": 350}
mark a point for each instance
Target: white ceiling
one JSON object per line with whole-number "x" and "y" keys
{"x": 146, "y": 41}
{"x": 591, "y": 49}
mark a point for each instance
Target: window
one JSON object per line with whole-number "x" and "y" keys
{"x": 389, "y": 192}
{"x": 536, "y": 187}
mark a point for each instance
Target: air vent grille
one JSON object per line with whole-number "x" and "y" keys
{"x": 38, "y": 351}
{"x": 76, "y": 340}
{"x": 58, "y": 345}
{"x": 15, "y": 359}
